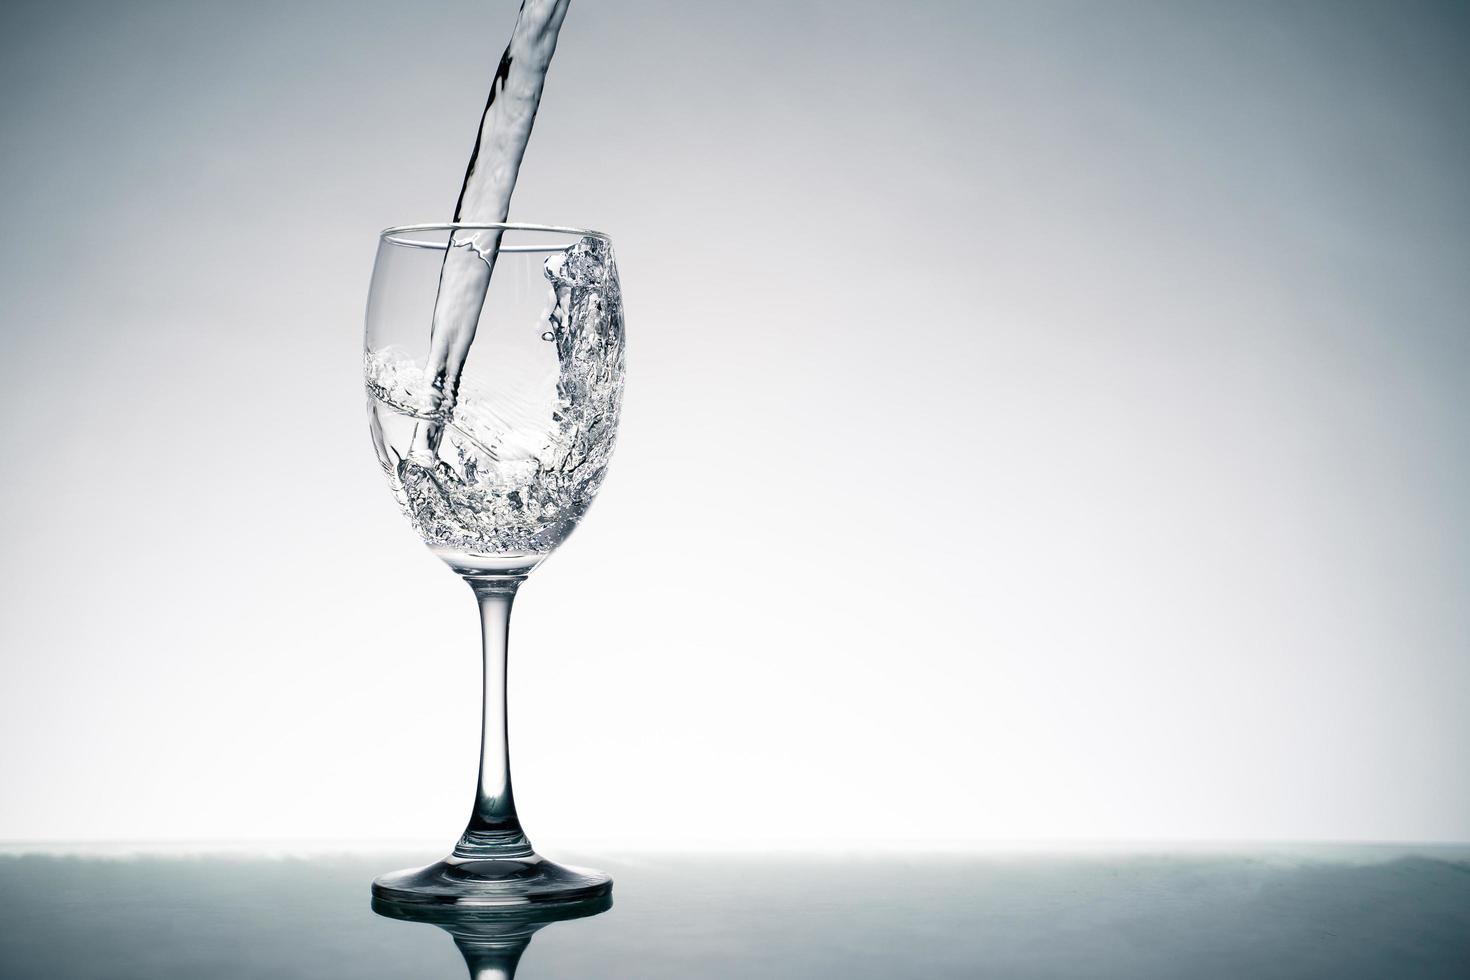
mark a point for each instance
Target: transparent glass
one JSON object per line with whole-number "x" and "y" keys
{"x": 494, "y": 441}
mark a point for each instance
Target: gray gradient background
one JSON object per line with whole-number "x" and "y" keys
{"x": 1045, "y": 420}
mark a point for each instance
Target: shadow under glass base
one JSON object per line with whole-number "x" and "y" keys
{"x": 492, "y": 883}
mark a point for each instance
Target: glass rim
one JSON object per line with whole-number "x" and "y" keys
{"x": 394, "y": 235}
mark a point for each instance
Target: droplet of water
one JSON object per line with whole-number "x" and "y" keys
{"x": 548, "y": 335}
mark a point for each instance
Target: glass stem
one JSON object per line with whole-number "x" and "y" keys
{"x": 494, "y": 830}
{"x": 492, "y": 962}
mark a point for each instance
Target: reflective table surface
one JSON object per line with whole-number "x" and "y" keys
{"x": 1273, "y": 912}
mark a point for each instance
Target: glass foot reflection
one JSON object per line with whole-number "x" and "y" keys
{"x": 492, "y": 883}
{"x": 491, "y": 938}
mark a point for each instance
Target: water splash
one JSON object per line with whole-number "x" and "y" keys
{"x": 515, "y": 469}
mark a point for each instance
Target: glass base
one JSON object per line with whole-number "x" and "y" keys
{"x": 492, "y": 884}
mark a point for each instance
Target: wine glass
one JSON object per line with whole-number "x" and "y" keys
{"x": 494, "y": 441}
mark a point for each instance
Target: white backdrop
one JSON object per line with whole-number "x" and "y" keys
{"x": 1043, "y": 421}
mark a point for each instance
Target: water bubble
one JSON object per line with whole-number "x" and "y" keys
{"x": 548, "y": 335}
